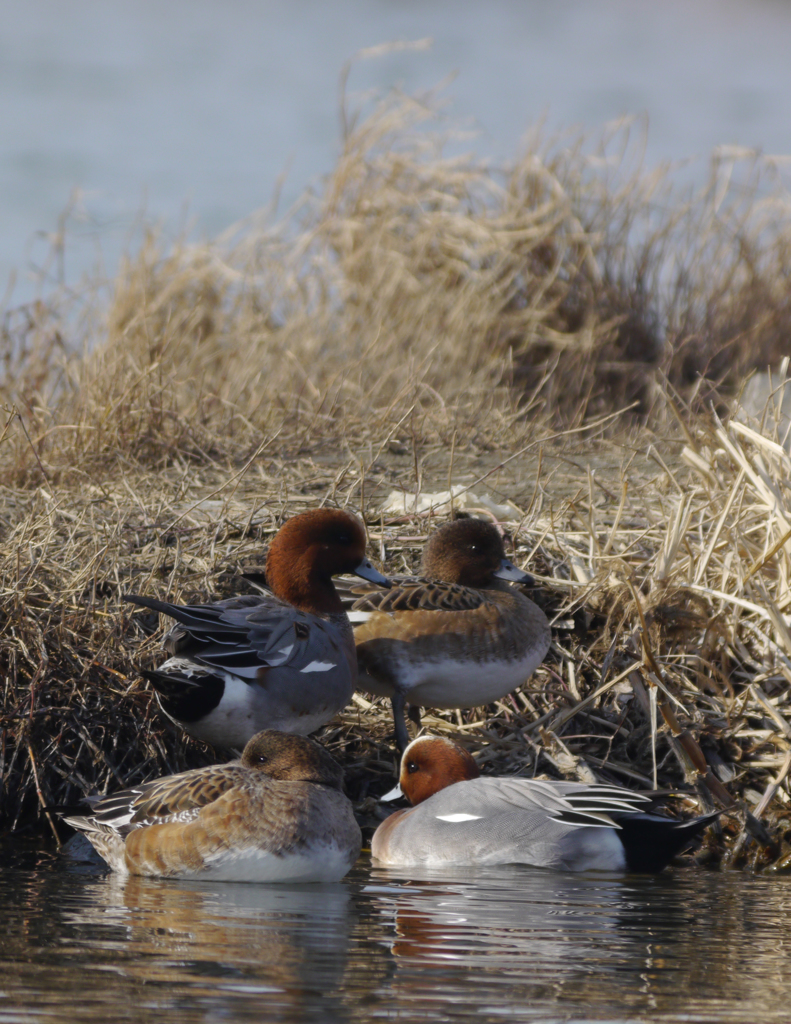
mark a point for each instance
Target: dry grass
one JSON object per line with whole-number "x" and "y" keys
{"x": 417, "y": 323}
{"x": 417, "y": 294}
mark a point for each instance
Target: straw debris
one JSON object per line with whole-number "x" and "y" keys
{"x": 564, "y": 338}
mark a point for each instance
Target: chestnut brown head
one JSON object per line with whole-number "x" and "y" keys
{"x": 309, "y": 550}
{"x": 430, "y": 763}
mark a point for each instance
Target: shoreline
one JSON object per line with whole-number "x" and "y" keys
{"x": 80, "y": 719}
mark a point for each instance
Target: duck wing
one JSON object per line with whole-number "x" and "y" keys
{"x": 173, "y": 798}
{"x": 567, "y": 803}
{"x": 408, "y": 594}
{"x": 245, "y": 635}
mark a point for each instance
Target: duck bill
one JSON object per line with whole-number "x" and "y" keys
{"x": 508, "y": 571}
{"x": 367, "y": 572}
{"x": 394, "y": 794}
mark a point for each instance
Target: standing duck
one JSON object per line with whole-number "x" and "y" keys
{"x": 458, "y": 635}
{"x": 283, "y": 660}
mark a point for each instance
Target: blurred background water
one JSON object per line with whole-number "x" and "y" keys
{"x": 189, "y": 112}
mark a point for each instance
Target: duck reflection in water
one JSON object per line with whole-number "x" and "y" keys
{"x": 512, "y": 935}
{"x": 285, "y": 944}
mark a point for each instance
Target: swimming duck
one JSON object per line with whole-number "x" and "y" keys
{"x": 459, "y": 818}
{"x": 276, "y": 815}
{"x": 283, "y": 660}
{"x": 458, "y": 635}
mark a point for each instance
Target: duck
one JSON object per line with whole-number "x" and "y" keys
{"x": 283, "y": 660}
{"x": 460, "y": 818}
{"x": 456, "y": 636}
{"x": 277, "y": 814}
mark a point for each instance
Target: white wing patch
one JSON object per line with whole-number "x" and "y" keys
{"x": 358, "y": 617}
{"x": 318, "y": 666}
{"x": 458, "y": 817}
{"x": 285, "y": 651}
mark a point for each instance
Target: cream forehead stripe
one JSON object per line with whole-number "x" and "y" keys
{"x": 429, "y": 739}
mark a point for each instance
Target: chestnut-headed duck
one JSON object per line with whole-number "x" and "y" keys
{"x": 278, "y": 814}
{"x": 460, "y": 818}
{"x": 283, "y": 660}
{"x": 458, "y": 635}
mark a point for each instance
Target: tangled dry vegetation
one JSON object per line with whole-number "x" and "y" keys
{"x": 562, "y": 336}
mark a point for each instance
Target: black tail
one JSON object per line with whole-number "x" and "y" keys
{"x": 187, "y": 698}
{"x": 651, "y": 841}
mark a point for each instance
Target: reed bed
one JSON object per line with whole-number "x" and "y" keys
{"x": 563, "y": 339}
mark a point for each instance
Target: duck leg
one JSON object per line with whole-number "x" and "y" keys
{"x": 399, "y": 720}
{"x": 413, "y": 713}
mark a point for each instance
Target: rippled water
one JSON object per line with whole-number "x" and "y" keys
{"x": 503, "y": 944}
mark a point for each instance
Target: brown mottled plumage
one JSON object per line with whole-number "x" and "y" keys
{"x": 277, "y": 814}
{"x": 456, "y": 637}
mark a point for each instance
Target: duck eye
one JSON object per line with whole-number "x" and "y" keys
{"x": 411, "y": 768}
{"x": 261, "y": 759}
{"x": 473, "y": 547}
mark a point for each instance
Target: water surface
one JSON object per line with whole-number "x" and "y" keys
{"x": 507, "y": 944}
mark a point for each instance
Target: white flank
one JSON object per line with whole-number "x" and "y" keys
{"x": 458, "y": 817}
{"x": 358, "y": 616}
{"x": 458, "y": 683}
{"x": 319, "y": 666}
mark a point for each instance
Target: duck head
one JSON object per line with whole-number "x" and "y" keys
{"x": 469, "y": 552}
{"x": 430, "y": 763}
{"x": 289, "y": 758}
{"x": 309, "y": 550}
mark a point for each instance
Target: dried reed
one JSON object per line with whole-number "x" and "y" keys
{"x": 430, "y": 321}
